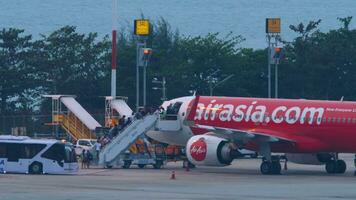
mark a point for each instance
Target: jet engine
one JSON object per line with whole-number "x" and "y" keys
{"x": 210, "y": 151}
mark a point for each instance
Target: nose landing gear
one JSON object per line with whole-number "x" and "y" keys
{"x": 335, "y": 166}
{"x": 355, "y": 165}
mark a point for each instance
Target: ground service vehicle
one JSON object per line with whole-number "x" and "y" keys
{"x": 84, "y": 144}
{"x": 36, "y": 156}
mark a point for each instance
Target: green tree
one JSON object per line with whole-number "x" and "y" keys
{"x": 15, "y": 74}
{"x": 74, "y": 63}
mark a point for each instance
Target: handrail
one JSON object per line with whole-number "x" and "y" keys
{"x": 122, "y": 130}
{"x": 126, "y": 137}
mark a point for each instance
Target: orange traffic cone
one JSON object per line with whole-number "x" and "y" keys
{"x": 173, "y": 176}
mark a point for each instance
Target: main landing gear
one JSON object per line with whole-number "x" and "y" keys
{"x": 335, "y": 166}
{"x": 270, "y": 164}
{"x": 271, "y": 167}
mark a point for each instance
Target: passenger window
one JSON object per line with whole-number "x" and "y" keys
{"x": 334, "y": 119}
{"x": 338, "y": 120}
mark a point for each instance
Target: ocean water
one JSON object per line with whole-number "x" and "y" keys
{"x": 190, "y": 17}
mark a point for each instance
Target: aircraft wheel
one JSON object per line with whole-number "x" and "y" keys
{"x": 331, "y": 167}
{"x": 141, "y": 166}
{"x": 126, "y": 164}
{"x": 266, "y": 167}
{"x": 158, "y": 164}
{"x": 341, "y": 166}
{"x": 276, "y": 168}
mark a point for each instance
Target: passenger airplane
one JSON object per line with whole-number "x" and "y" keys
{"x": 214, "y": 128}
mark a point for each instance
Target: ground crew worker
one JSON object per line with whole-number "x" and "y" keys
{"x": 89, "y": 157}
{"x": 97, "y": 148}
{"x": 83, "y": 158}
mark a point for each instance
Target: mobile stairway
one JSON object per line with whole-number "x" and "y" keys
{"x": 72, "y": 117}
{"x": 110, "y": 154}
{"x": 117, "y": 104}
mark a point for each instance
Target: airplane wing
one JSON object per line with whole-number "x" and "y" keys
{"x": 253, "y": 134}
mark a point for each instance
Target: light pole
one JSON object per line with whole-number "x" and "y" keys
{"x": 273, "y": 29}
{"x": 139, "y": 46}
{"x": 277, "y": 56}
{"x": 113, "y": 49}
{"x": 141, "y": 30}
{"x": 163, "y": 87}
{"x": 146, "y": 56}
{"x": 269, "y": 65}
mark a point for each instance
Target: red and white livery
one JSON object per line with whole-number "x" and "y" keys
{"x": 308, "y": 131}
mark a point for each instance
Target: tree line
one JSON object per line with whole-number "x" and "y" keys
{"x": 316, "y": 65}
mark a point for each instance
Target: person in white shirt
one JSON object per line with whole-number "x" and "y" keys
{"x": 97, "y": 148}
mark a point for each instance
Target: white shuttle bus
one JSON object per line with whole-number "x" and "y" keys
{"x": 21, "y": 154}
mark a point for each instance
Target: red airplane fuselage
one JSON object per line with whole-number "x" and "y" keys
{"x": 308, "y": 125}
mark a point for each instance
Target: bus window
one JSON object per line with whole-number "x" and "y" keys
{"x": 55, "y": 152}
{"x": 3, "y": 150}
{"x": 13, "y": 152}
{"x": 16, "y": 151}
{"x": 31, "y": 150}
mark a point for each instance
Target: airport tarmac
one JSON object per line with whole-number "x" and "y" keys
{"x": 241, "y": 180}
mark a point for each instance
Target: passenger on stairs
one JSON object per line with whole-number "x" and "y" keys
{"x": 128, "y": 121}
{"x": 162, "y": 112}
{"x": 142, "y": 112}
{"x": 113, "y": 131}
{"x": 138, "y": 115}
{"x": 122, "y": 122}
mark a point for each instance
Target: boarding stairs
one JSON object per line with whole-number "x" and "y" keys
{"x": 119, "y": 144}
{"x": 72, "y": 117}
{"x": 74, "y": 127}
